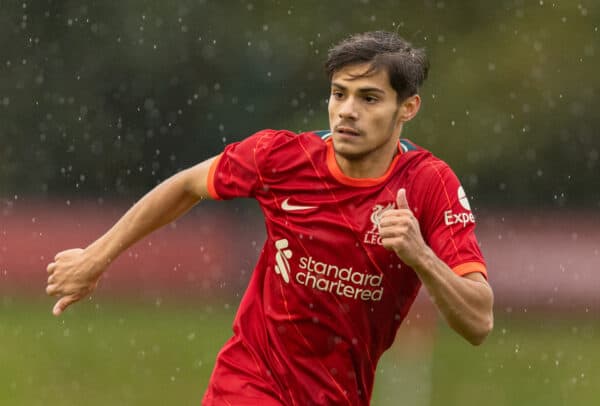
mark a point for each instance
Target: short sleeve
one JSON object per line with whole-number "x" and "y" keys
{"x": 239, "y": 170}
{"x": 448, "y": 224}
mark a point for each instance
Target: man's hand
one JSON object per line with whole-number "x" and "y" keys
{"x": 72, "y": 276}
{"x": 74, "y": 273}
{"x": 400, "y": 232}
{"x": 466, "y": 302}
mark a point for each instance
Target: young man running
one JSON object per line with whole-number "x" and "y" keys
{"x": 357, "y": 220}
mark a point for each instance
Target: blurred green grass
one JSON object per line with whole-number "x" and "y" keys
{"x": 108, "y": 354}
{"x": 157, "y": 353}
{"x": 548, "y": 360}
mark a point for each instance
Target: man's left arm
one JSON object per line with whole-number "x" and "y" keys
{"x": 465, "y": 301}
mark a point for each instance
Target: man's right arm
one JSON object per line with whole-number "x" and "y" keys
{"x": 74, "y": 273}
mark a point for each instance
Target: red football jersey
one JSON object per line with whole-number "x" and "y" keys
{"x": 326, "y": 299}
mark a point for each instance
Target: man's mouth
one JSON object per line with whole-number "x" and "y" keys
{"x": 347, "y": 131}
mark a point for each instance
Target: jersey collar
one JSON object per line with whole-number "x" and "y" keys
{"x": 337, "y": 173}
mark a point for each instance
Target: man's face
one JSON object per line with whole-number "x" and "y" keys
{"x": 364, "y": 113}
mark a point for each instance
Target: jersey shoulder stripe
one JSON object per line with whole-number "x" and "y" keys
{"x": 407, "y": 146}
{"x": 323, "y": 134}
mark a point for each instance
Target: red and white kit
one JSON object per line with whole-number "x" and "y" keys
{"x": 325, "y": 299}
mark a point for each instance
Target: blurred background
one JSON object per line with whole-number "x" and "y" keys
{"x": 101, "y": 101}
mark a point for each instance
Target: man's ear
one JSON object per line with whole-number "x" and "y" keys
{"x": 410, "y": 107}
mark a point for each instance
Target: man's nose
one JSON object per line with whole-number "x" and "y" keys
{"x": 348, "y": 109}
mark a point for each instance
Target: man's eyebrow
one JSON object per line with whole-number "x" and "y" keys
{"x": 334, "y": 84}
{"x": 360, "y": 90}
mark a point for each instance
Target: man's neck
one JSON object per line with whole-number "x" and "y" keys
{"x": 373, "y": 166}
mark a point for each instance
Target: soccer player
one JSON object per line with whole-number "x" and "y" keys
{"x": 357, "y": 220}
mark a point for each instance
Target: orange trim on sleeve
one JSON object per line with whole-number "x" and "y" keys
{"x": 470, "y": 267}
{"x": 210, "y": 180}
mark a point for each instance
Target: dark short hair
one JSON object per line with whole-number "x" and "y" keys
{"x": 406, "y": 66}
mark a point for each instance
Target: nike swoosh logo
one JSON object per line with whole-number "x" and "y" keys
{"x": 292, "y": 207}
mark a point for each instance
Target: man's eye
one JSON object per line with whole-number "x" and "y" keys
{"x": 370, "y": 99}
{"x": 337, "y": 95}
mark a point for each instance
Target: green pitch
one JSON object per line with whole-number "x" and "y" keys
{"x": 162, "y": 353}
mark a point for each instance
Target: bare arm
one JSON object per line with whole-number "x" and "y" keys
{"x": 465, "y": 302}
{"x": 75, "y": 273}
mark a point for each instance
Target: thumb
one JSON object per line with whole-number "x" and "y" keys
{"x": 401, "y": 201}
{"x": 63, "y": 303}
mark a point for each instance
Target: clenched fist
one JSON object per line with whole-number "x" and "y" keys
{"x": 400, "y": 232}
{"x": 72, "y": 276}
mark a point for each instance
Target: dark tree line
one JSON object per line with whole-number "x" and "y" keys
{"x": 105, "y": 99}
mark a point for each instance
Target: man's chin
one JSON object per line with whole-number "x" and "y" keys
{"x": 349, "y": 152}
